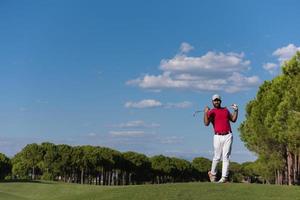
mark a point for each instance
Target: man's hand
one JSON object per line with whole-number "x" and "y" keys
{"x": 206, "y": 109}
{"x": 205, "y": 118}
{"x": 234, "y": 115}
{"x": 234, "y": 107}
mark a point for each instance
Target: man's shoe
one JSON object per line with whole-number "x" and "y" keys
{"x": 223, "y": 180}
{"x": 212, "y": 177}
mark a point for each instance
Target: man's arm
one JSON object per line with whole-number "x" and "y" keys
{"x": 205, "y": 117}
{"x": 234, "y": 115}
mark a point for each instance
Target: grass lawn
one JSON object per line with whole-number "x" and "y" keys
{"x": 180, "y": 191}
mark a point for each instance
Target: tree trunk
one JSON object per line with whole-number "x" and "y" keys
{"x": 65, "y": 177}
{"x": 290, "y": 168}
{"x": 295, "y": 179}
{"x": 129, "y": 179}
{"x": 123, "y": 177}
{"x": 297, "y": 167}
{"x": 33, "y": 173}
{"x": 109, "y": 177}
{"x": 102, "y": 177}
{"x": 112, "y": 177}
{"x": 285, "y": 171}
{"x": 280, "y": 177}
{"x": 82, "y": 176}
{"x": 99, "y": 178}
{"x": 117, "y": 178}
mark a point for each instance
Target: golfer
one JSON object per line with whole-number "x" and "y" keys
{"x": 220, "y": 118}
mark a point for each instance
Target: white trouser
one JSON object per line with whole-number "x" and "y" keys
{"x": 222, "y": 149}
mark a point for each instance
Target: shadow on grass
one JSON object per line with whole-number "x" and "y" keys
{"x": 26, "y": 181}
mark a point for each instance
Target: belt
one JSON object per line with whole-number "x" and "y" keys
{"x": 226, "y": 133}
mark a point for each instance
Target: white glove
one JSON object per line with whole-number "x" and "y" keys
{"x": 234, "y": 107}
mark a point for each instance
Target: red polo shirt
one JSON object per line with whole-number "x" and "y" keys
{"x": 220, "y": 119}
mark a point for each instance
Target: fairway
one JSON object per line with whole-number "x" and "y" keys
{"x": 180, "y": 191}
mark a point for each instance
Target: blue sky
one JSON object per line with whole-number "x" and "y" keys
{"x": 129, "y": 74}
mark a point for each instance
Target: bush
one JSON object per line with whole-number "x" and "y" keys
{"x": 47, "y": 176}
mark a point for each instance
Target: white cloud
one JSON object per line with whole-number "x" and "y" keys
{"x": 185, "y": 48}
{"x": 211, "y": 62}
{"x": 271, "y": 67}
{"x": 185, "y": 104}
{"x": 158, "y": 82}
{"x": 286, "y": 53}
{"x": 238, "y": 82}
{"x": 171, "y": 140}
{"x": 151, "y": 103}
{"x": 137, "y": 124}
{"x": 147, "y": 103}
{"x": 127, "y": 133}
{"x": 212, "y": 71}
{"x": 198, "y": 83}
{"x": 282, "y": 54}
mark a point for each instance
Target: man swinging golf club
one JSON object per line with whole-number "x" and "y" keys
{"x": 220, "y": 118}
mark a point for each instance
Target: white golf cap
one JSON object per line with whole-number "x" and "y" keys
{"x": 216, "y": 96}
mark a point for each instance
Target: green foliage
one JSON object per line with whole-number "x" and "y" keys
{"x": 47, "y": 176}
{"x": 20, "y": 169}
{"x": 251, "y": 172}
{"x": 182, "y": 170}
{"x": 5, "y": 166}
{"x": 202, "y": 166}
{"x": 105, "y": 166}
{"x": 271, "y": 128}
{"x": 235, "y": 172}
{"x": 162, "y": 164}
{"x": 139, "y": 165}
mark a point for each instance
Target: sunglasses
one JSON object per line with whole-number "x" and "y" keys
{"x": 217, "y": 100}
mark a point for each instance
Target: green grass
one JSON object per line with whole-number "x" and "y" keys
{"x": 182, "y": 191}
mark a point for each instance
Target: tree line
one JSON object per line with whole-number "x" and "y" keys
{"x": 272, "y": 126}
{"x": 271, "y": 130}
{"x": 105, "y": 166}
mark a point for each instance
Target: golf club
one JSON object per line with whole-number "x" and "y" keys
{"x": 197, "y": 111}
{"x": 233, "y": 106}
